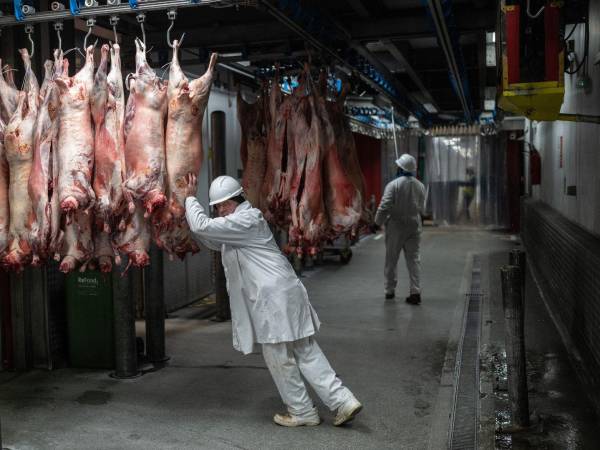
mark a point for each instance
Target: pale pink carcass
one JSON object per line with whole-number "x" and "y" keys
{"x": 18, "y": 141}
{"x": 4, "y": 208}
{"x": 104, "y": 251}
{"x": 108, "y": 112}
{"x": 40, "y": 178}
{"x": 76, "y": 137}
{"x": 78, "y": 244}
{"x": 9, "y": 94}
{"x": 56, "y": 232}
{"x": 187, "y": 103}
{"x": 145, "y": 137}
{"x": 176, "y": 239}
{"x": 134, "y": 238}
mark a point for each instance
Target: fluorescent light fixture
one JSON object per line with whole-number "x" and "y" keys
{"x": 230, "y": 55}
{"x": 430, "y": 108}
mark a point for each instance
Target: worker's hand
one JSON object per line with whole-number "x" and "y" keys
{"x": 191, "y": 187}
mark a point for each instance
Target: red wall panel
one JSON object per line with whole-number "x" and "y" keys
{"x": 369, "y": 156}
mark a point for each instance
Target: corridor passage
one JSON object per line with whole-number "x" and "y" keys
{"x": 209, "y": 396}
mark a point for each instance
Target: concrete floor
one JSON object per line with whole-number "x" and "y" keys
{"x": 210, "y": 397}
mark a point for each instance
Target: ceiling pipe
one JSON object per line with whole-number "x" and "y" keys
{"x": 437, "y": 14}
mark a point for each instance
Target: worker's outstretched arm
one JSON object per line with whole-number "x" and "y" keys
{"x": 232, "y": 230}
{"x": 385, "y": 206}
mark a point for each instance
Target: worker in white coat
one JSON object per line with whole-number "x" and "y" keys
{"x": 269, "y": 304}
{"x": 400, "y": 211}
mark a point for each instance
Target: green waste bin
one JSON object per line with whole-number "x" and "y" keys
{"x": 90, "y": 320}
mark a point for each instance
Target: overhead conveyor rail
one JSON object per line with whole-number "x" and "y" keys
{"x": 110, "y": 10}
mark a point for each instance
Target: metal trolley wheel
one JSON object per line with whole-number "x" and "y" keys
{"x": 345, "y": 256}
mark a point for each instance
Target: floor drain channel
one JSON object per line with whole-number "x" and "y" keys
{"x": 465, "y": 413}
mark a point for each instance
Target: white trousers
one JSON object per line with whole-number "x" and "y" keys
{"x": 397, "y": 240}
{"x": 288, "y": 360}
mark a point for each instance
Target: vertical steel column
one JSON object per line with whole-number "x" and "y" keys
{"x": 217, "y": 132}
{"x": 512, "y": 299}
{"x": 126, "y": 364}
{"x": 154, "y": 307}
{"x": 518, "y": 258}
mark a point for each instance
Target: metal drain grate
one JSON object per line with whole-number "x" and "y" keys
{"x": 465, "y": 413}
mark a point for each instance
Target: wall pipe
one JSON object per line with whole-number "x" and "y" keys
{"x": 579, "y": 118}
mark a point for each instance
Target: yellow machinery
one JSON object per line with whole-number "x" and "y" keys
{"x": 532, "y": 54}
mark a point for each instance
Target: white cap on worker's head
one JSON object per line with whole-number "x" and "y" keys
{"x": 407, "y": 163}
{"x": 223, "y": 188}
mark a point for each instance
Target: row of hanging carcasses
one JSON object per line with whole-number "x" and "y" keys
{"x": 301, "y": 166}
{"x": 85, "y": 176}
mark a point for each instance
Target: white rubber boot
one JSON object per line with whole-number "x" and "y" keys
{"x": 347, "y": 411}
{"x": 290, "y": 420}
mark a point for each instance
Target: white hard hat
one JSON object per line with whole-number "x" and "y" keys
{"x": 223, "y": 188}
{"x": 407, "y": 163}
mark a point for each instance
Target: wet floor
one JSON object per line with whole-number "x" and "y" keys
{"x": 562, "y": 415}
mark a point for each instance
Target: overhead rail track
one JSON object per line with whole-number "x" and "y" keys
{"x": 132, "y": 7}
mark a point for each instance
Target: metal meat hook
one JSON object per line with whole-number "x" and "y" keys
{"x": 29, "y": 32}
{"x": 90, "y": 24}
{"x": 172, "y": 15}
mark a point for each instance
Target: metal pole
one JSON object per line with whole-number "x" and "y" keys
{"x": 512, "y": 300}
{"x": 394, "y": 129}
{"x": 217, "y": 133}
{"x": 154, "y": 310}
{"x": 126, "y": 364}
{"x": 519, "y": 258}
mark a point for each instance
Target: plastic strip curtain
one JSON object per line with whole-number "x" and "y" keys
{"x": 466, "y": 178}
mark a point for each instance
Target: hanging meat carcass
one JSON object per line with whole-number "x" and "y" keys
{"x": 40, "y": 178}
{"x": 18, "y": 142}
{"x": 253, "y": 149}
{"x": 145, "y": 136}
{"x": 134, "y": 238}
{"x": 346, "y": 144}
{"x": 343, "y": 199}
{"x": 4, "y": 208}
{"x": 78, "y": 244}
{"x": 187, "y": 103}
{"x": 108, "y": 112}
{"x": 48, "y": 78}
{"x": 309, "y": 222}
{"x": 9, "y": 94}
{"x": 56, "y": 231}
{"x": 280, "y": 159}
{"x": 104, "y": 251}
{"x": 76, "y": 137}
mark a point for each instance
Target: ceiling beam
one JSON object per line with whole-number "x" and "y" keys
{"x": 359, "y": 8}
{"x": 397, "y": 54}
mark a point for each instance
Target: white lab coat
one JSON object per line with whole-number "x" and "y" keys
{"x": 400, "y": 210}
{"x": 402, "y": 204}
{"x": 269, "y": 304}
